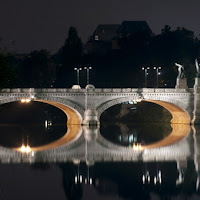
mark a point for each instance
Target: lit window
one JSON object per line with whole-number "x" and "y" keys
{"x": 96, "y": 37}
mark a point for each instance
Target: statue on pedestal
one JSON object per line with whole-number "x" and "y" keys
{"x": 181, "y": 81}
{"x": 181, "y": 73}
{"x": 197, "y": 68}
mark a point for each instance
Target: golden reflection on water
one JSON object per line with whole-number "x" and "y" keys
{"x": 73, "y": 132}
{"x": 179, "y": 131}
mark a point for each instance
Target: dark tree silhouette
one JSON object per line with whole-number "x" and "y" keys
{"x": 70, "y": 54}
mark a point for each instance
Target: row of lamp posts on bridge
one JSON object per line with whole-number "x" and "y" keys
{"x": 88, "y": 68}
{"x": 146, "y": 74}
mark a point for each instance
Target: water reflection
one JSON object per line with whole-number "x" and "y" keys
{"x": 127, "y": 134}
{"x": 91, "y": 167}
{"x": 41, "y": 123}
{"x": 89, "y": 146}
{"x": 89, "y": 163}
{"x": 109, "y": 180}
{"x": 13, "y": 135}
{"x": 92, "y": 135}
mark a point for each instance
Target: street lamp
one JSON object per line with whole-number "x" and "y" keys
{"x": 88, "y": 69}
{"x": 157, "y": 73}
{"x": 77, "y": 70}
{"x": 145, "y": 74}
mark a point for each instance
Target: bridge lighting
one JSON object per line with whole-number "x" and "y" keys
{"x": 145, "y": 74}
{"x": 139, "y": 100}
{"x": 157, "y": 74}
{"x": 88, "y": 75}
{"x": 137, "y": 147}
{"x": 25, "y": 149}
{"x": 26, "y": 100}
{"x": 77, "y": 70}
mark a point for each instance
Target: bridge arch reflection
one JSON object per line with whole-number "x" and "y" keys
{"x": 79, "y": 145}
{"x": 75, "y": 134}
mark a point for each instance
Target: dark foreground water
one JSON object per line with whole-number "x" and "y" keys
{"x": 107, "y": 181}
{"x": 152, "y": 180}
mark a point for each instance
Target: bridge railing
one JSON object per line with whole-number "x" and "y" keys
{"x": 95, "y": 90}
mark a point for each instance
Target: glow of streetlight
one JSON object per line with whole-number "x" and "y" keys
{"x": 25, "y": 149}
{"x": 137, "y": 147}
{"x": 26, "y": 100}
{"x": 87, "y": 67}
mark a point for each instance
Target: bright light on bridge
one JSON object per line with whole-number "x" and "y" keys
{"x": 25, "y": 100}
{"x": 25, "y": 149}
{"x": 137, "y": 146}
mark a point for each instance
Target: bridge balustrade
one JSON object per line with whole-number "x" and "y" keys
{"x": 96, "y": 90}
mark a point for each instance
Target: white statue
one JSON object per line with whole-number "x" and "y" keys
{"x": 197, "y": 68}
{"x": 180, "y": 70}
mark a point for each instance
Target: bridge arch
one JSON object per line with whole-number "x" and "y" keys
{"x": 73, "y": 111}
{"x": 175, "y": 107}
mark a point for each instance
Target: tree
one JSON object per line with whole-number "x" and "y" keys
{"x": 72, "y": 49}
{"x": 70, "y": 54}
{"x": 37, "y": 69}
{"x": 7, "y": 74}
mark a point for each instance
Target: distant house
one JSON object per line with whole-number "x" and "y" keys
{"x": 105, "y": 32}
{"x": 101, "y": 40}
{"x": 106, "y": 36}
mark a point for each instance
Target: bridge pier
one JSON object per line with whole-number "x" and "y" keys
{"x": 91, "y": 118}
{"x": 196, "y": 111}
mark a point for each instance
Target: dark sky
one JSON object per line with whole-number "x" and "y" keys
{"x": 38, "y": 24}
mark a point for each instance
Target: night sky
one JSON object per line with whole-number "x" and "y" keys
{"x": 43, "y": 24}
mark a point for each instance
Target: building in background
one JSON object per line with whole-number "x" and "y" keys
{"x": 107, "y": 37}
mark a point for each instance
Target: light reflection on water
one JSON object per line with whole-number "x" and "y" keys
{"x": 83, "y": 169}
{"x": 173, "y": 178}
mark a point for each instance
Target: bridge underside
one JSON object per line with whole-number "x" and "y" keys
{"x": 73, "y": 117}
{"x": 179, "y": 116}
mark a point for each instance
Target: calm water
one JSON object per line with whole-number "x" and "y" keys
{"x": 41, "y": 124}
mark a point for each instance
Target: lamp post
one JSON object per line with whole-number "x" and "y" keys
{"x": 88, "y": 75}
{"x": 145, "y": 74}
{"x": 157, "y": 74}
{"x": 77, "y": 70}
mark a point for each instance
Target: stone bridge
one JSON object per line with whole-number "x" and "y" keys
{"x": 85, "y": 106}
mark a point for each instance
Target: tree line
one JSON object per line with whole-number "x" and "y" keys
{"x": 117, "y": 68}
